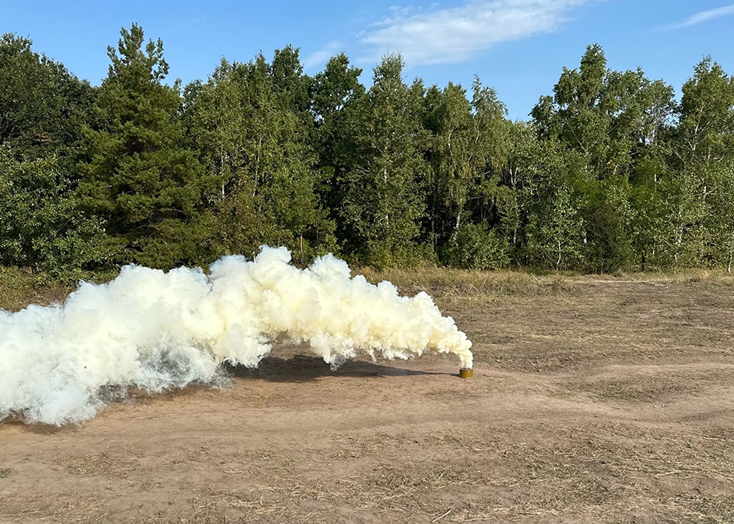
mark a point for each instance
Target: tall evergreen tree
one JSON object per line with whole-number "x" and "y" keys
{"x": 140, "y": 179}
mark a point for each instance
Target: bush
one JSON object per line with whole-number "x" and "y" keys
{"x": 477, "y": 247}
{"x": 42, "y": 227}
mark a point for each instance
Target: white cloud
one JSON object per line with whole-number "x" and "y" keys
{"x": 451, "y": 35}
{"x": 703, "y": 16}
{"x": 321, "y": 56}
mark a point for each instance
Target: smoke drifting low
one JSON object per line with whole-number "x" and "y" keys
{"x": 157, "y": 330}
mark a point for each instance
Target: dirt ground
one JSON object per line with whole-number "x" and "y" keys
{"x": 594, "y": 399}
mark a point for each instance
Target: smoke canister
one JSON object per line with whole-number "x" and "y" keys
{"x": 466, "y": 373}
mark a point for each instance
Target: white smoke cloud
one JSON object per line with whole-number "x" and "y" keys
{"x": 157, "y": 330}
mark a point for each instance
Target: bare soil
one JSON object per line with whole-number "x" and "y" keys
{"x": 594, "y": 399}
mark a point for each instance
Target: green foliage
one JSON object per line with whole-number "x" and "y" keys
{"x": 246, "y": 125}
{"x": 607, "y": 213}
{"x": 477, "y": 247}
{"x": 336, "y": 94}
{"x": 706, "y": 130}
{"x": 554, "y": 233}
{"x": 41, "y": 223}
{"x": 42, "y": 106}
{"x": 719, "y": 222}
{"x": 140, "y": 180}
{"x": 383, "y": 200}
{"x": 698, "y": 191}
{"x": 611, "y": 172}
{"x": 466, "y": 149}
{"x": 615, "y": 121}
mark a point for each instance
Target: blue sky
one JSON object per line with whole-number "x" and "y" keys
{"x": 519, "y": 47}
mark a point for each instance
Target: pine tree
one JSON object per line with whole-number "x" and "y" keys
{"x": 141, "y": 179}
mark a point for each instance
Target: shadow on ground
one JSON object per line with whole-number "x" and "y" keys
{"x": 296, "y": 369}
{"x": 302, "y": 368}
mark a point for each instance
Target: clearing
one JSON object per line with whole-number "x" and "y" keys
{"x": 594, "y": 399}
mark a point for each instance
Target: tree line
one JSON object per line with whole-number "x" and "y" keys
{"x": 610, "y": 172}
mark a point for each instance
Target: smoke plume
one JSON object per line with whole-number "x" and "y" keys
{"x": 156, "y": 330}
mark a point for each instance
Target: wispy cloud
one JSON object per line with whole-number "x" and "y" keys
{"x": 321, "y": 56}
{"x": 703, "y": 16}
{"x": 452, "y": 35}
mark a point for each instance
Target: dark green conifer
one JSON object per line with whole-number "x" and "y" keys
{"x": 141, "y": 180}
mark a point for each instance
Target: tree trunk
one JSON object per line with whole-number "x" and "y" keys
{"x": 455, "y": 234}
{"x": 558, "y": 262}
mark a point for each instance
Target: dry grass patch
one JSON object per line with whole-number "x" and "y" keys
{"x": 18, "y": 289}
{"x": 655, "y": 384}
{"x": 449, "y": 283}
